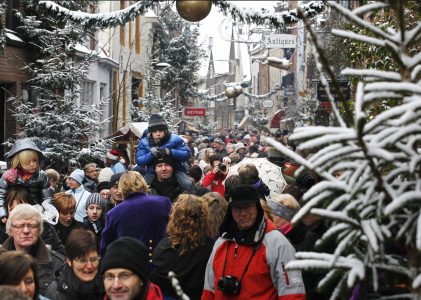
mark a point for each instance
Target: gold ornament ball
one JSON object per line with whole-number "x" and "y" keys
{"x": 230, "y": 92}
{"x": 193, "y": 10}
{"x": 238, "y": 90}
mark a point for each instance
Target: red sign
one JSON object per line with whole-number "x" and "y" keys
{"x": 194, "y": 112}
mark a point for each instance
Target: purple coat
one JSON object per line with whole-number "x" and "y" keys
{"x": 141, "y": 216}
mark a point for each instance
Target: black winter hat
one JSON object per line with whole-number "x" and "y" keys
{"x": 127, "y": 253}
{"x": 156, "y": 122}
{"x": 242, "y": 194}
{"x": 164, "y": 159}
{"x": 195, "y": 172}
{"x": 115, "y": 179}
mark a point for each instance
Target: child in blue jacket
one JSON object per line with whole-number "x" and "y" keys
{"x": 159, "y": 141}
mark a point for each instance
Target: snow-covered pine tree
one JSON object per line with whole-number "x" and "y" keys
{"x": 154, "y": 101}
{"x": 370, "y": 169}
{"x": 59, "y": 122}
{"x": 176, "y": 43}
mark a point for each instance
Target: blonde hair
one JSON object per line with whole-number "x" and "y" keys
{"x": 64, "y": 202}
{"x": 27, "y": 212}
{"x": 266, "y": 209}
{"x": 52, "y": 174}
{"x": 24, "y": 157}
{"x": 286, "y": 200}
{"x": 188, "y": 224}
{"x": 208, "y": 154}
{"x": 248, "y": 174}
{"x": 132, "y": 181}
{"x": 217, "y": 206}
{"x": 90, "y": 165}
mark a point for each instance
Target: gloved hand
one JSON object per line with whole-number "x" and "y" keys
{"x": 154, "y": 151}
{"x": 162, "y": 152}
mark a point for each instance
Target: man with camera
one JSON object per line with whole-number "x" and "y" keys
{"x": 216, "y": 176}
{"x": 248, "y": 260}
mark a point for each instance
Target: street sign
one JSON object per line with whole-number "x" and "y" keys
{"x": 280, "y": 41}
{"x": 267, "y": 103}
{"x": 344, "y": 87}
{"x": 194, "y": 112}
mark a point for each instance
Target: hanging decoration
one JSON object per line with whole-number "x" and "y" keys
{"x": 120, "y": 17}
{"x": 193, "y": 10}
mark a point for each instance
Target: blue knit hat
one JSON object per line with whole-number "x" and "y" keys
{"x": 78, "y": 175}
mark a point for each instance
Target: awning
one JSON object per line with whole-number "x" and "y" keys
{"x": 188, "y": 126}
{"x": 244, "y": 122}
{"x": 277, "y": 118}
{"x": 129, "y": 132}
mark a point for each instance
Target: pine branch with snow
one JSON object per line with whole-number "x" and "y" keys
{"x": 370, "y": 169}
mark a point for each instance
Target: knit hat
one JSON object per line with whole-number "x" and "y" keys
{"x": 242, "y": 194}
{"x": 201, "y": 146}
{"x": 163, "y": 159}
{"x": 115, "y": 179}
{"x": 78, "y": 175}
{"x": 156, "y": 122}
{"x": 127, "y": 253}
{"x": 105, "y": 174}
{"x": 95, "y": 198}
{"x": 113, "y": 154}
{"x": 239, "y": 146}
{"x": 195, "y": 172}
{"x": 218, "y": 141}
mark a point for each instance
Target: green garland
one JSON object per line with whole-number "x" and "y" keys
{"x": 2, "y": 34}
{"x": 120, "y": 17}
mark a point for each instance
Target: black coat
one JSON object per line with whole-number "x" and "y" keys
{"x": 189, "y": 268}
{"x": 69, "y": 287}
{"x": 64, "y": 231}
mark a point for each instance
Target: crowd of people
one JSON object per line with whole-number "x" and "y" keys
{"x": 116, "y": 232}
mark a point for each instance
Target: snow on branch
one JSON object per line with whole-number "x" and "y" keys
{"x": 120, "y": 17}
{"x": 276, "y": 20}
{"x": 101, "y": 20}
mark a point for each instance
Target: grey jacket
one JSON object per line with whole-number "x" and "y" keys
{"x": 38, "y": 186}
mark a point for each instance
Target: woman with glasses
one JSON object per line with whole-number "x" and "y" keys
{"x": 24, "y": 227}
{"x": 80, "y": 278}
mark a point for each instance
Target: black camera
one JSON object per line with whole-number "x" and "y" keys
{"x": 222, "y": 167}
{"x": 229, "y": 285}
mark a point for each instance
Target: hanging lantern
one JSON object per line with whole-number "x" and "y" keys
{"x": 193, "y": 10}
{"x": 238, "y": 90}
{"x": 230, "y": 92}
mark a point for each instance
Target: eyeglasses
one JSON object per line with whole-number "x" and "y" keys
{"x": 84, "y": 261}
{"x": 29, "y": 226}
{"x": 121, "y": 277}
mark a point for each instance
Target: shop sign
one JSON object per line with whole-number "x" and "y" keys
{"x": 194, "y": 112}
{"x": 280, "y": 41}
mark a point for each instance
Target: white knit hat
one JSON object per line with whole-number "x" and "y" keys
{"x": 105, "y": 175}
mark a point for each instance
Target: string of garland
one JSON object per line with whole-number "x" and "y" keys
{"x": 119, "y": 17}
{"x": 2, "y": 32}
{"x": 221, "y": 96}
{"x": 278, "y": 19}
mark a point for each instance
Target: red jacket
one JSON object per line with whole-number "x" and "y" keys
{"x": 216, "y": 180}
{"x": 265, "y": 278}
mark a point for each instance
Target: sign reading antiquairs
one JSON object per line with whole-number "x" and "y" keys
{"x": 344, "y": 86}
{"x": 280, "y": 41}
{"x": 194, "y": 112}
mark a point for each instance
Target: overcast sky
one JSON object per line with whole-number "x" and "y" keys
{"x": 218, "y": 26}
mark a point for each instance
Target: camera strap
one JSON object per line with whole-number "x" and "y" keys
{"x": 255, "y": 248}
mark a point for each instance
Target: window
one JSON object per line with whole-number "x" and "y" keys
{"x": 87, "y": 93}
